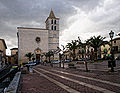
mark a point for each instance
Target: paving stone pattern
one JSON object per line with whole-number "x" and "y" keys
{"x": 35, "y": 83}
{"x": 112, "y": 77}
{"x": 80, "y": 88}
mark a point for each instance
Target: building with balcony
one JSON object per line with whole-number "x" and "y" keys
{"x": 105, "y": 50}
{"x": 116, "y": 46}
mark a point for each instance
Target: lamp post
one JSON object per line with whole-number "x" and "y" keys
{"x": 112, "y": 54}
{"x": 0, "y": 57}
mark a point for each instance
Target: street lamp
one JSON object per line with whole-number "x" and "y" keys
{"x": 111, "y": 34}
{"x": 112, "y": 55}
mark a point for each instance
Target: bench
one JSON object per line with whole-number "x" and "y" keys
{"x": 71, "y": 66}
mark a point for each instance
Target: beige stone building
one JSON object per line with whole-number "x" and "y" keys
{"x": 13, "y": 59}
{"x": 3, "y": 48}
{"x": 14, "y": 51}
{"x": 38, "y": 40}
{"x": 116, "y": 48}
{"x": 105, "y": 50}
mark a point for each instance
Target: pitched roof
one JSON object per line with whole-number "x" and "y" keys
{"x": 51, "y": 15}
{"x": 117, "y": 38}
{"x": 4, "y": 43}
{"x": 14, "y": 49}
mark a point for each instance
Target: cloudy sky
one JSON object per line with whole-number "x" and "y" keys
{"x": 83, "y": 18}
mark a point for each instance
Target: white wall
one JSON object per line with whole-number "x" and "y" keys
{"x": 27, "y": 43}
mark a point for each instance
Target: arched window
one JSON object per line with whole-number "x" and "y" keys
{"x": 54, "y": 27}
{"x": 52, "y": 21}
{"x": 55, "y": 22}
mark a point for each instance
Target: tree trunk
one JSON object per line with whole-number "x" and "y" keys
{"x": 86, "y": 61}
{"x": 95, "y": 54}
{"x": 49, "y": 59}
{"x": 74, "y": 54}
{"x": 63, "y": 60}
{"x": 53, "y": 56}
{"x": 60, "y": 63}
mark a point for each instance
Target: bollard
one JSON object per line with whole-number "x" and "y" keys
{"x": 30, "y": 69}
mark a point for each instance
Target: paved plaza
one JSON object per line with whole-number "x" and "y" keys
{"x": 47, "y": 79}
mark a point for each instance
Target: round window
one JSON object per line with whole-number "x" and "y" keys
{"x": 37, "y": 39}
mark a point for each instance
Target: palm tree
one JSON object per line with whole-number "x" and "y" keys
{"x": 29, "y": 55}
{"x": 83, "y": 47}
{"x": 45, "y": 54}
{"x": 72, "y": 46}
{"x": 96, "y": 42}
{"x": 49, "y": 54}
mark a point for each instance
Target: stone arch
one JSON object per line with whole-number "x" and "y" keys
{"x": 38, "y": 52}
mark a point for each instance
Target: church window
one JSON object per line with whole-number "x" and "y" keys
{"x": 52, "y": 21}
{"x": 115, "y": 42}
{"x": 115, "y": 48}
{"x": 54, "y": 35}
{"x": 37, "y": 39}
{"x": 55, "y": 22}
{"x": 54, "y": 27}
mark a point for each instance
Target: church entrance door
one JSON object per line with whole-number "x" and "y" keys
{"x": 37, "y": 57}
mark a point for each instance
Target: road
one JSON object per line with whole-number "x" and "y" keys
{"x": 56, "y": 80}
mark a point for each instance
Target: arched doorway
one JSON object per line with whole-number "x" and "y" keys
{"x": 38, "y": 54}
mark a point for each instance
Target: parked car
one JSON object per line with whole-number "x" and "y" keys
{"x": 67, "y": 60}
{"x": 118, "y": 58}
{"x": 30, "y": 64}
{"x": 55, "y": 61}
{"x": 37, "y": 62}
{"x": 99, "y": 58}
{"x": 83, "y": 59}
{"x": 106, "y": 58}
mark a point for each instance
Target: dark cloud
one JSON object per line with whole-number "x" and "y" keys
{"x": 15, "y": 13}
{"x": 33, "y": 13}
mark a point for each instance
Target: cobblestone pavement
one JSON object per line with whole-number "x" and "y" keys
{"x": 34, "y": 83}
{"x": 99, "y": 66}
{"x": 77, "y": 79}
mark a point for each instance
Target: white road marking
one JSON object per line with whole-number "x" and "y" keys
{"x": 103, "y": 81}
{"x": 58, "y": 83}
{"x": 81, "y": 83}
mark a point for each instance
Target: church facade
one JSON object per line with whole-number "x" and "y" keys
{"x": 38, "y": 40}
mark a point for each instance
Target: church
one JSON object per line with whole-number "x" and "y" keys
{"x": 38, "y": 40}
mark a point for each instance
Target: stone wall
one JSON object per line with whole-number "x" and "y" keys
{"x": 27, "y": 42}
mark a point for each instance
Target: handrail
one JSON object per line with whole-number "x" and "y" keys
{"x": 4, "y": 73}
{"x": 3, "y": 68}
{"x": 14, "y": 85}
{"x": 7, "y": 72}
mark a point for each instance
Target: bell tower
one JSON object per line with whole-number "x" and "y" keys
{"x": 52, "y": 24}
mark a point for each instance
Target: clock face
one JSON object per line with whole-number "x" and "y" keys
{"x": 37, "y": 39}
